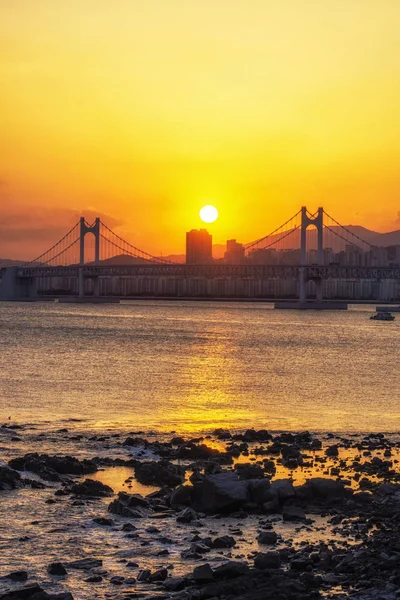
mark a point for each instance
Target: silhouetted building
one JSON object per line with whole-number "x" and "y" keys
{"x": 198, "y": 247}
{"x": 234, "y": 254}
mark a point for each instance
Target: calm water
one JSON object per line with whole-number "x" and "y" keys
{"x": 195, "y": 366}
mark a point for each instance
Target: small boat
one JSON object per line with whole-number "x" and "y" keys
{"x": 382, "y": 316}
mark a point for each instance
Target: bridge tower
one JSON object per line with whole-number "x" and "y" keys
{"x": 83, "y": 230}
{"x": 306, "y": 221}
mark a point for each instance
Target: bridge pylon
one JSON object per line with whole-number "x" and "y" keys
{"x": 318, "y": 222}
{"x": 84, "y": 228}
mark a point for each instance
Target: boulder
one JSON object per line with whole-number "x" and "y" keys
{"x": 127, "y": 505}
{"x": 225, "y": 541}
{"x": 267, "y": 537}
{"x": 181, "y": 496}
{"x": 159, "y": 473}
{"x": 267, "y": 560}
{"x": 9, "y": 479}
{"x": 203, "y": 574}
{"x": 56, "y": 568}
{"x": 222, "y": 491}
{"x": 231, "y": 569}
{"x": 293, "y": 513}
{"x": 259, "y": 490}
{"x": 282, "y": 490}
{"x": 249, "y": 471}
{"x": 16, "y": 576}
{"x": 192, "y": 451}
{"x": 327, "y": 489}
{"x": 186, "y": 515}
{"x": 51, "y": 467}
{"x": 92, "y": 488}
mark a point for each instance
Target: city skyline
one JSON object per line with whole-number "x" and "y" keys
{"x": 264, "y": 110}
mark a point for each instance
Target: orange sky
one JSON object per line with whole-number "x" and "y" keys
{"x": 144, "y": 110}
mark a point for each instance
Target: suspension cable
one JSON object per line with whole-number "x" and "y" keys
{"x": 62, "y": 252}
{"x": 348, "y": 230}
{"x": 343, "y": 238}
{"x": 127, "y": 251}
{"x": 280, "y": 239}
{"x": 251, "y": 244}
{"x": 52, "y": 248}
{"x": 132, "y": 246}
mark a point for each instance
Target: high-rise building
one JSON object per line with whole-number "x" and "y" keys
{"x": 234, "y": 254}
{"x": 198, "y": 247}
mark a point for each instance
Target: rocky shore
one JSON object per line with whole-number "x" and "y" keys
{"x": 248, "y": 515}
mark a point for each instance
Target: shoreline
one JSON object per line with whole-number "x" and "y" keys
{"x": 223, "y": 513}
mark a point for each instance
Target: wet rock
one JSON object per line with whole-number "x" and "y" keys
{"x": 293, "y": 513}
{"x": 104, "y": 522}
{"x": 186, "y": 516}
{"x": 143, "y": 575}
{"x": 159, "y": 575}
{"x": 192, "y": 451}
{"x": 231, "y": 570}
{"x": 92, "y": 488}
{"x": 328, "y": 489}
{"x": 332, "y": 451}
{"x": 86, "y": 564}
{"x": 222, "y": 491}
{"x": 259, "y": 490}
{"x": 203, "y": 574}
{"x": 175, "y": 584}
{"x": 177, "y": 441}
{"x": 282, "y": 490}
{"x": 135, "y": 441}
{"x": 159, "y": 473}
{"x": 22, "y": 593}
{"x": 94, "y": 579}
{"x": 33, "y": 592}
{"x": 129, "y": 505}
{"x": 56, "y": 568}
{"x": 225, "y": 541}
{"x": 249, "y": 471}
{"x": 51, "y": 467}
{"x": 16, "y": 576}
{"x": 181, "y": 496}
{"x": 267, "y": 537}
{"x": 267, "y": 560}
{"x": 9, "y": 479}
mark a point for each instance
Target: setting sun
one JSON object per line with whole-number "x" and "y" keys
{"x": 208, "y": 214}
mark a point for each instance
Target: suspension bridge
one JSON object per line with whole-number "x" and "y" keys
{"x": 294, "y": 261}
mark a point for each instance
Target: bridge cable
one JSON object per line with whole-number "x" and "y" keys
{"x": 251, "y": 244}
{"x": 132, "y": 246}
{"x": 52, "y": 248}
{"x": 348, "y": 230}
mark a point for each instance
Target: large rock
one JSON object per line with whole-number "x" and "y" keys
{"x": 181, "y": 496}
{"x": 267, "y": 560}
{"x": 159, "y": 473}
{"x": 282, "y": 490}
{"x": 9, "y": 479}
{"x": 221, "y": 491}
{"x": 92, "y": 488}
{"x": 51, "y": 467}
{"x": 249, "y": 471}
{"x": 34, "y": 592}
{"x": 194, "y": 451}
{"x": 133, "y": 506}
{"x": 326, "y": 489}
{"x": 259, "y": 490}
